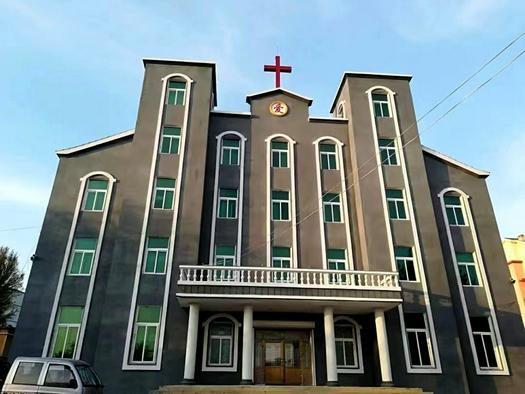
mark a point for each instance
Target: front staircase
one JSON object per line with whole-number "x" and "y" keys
{"x": 283, "y": 390}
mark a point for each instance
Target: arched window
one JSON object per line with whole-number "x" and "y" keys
{"x": 348, "y": 345}
{"x": 341, "y": 110}
{"x": 381, "y": 104}
{"x": 454, "y": 208}
{"x": 95, "y": 194}
{"x": 220, "y": 343}
{"x": 176, "y": 92}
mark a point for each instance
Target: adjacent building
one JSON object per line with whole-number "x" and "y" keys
{"x": 273, "y": 247}
{"x": 515, "y": 252}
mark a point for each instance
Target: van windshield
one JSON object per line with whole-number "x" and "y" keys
{"x": 88, "y": 376}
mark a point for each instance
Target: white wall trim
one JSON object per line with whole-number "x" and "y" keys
{"x": 359, "y": 350}
{"x": 220, "y": 137}
{"x": 92, "y": 144}
{"x": 289, "y": 297}
{"x": 125, "y": 361}
{"x": 454, "y": 162}
{"x": 67, "y": 256}
{"x": 343, "y": 192}
{"x": 501, "y": 358}
{"x": 235, "y": 349}
{"x": 291, "y": 162}
{"x": 411, "y": 214}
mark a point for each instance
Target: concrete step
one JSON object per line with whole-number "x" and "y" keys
{"x": 260, "y": 389}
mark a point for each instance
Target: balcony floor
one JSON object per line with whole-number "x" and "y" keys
{"x": 283, "y": 390}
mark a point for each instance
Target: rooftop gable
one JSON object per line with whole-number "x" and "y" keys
{"x": 454, "y": 162}
{"x": 93, "y": 144}
{"x": 270, "y": 92}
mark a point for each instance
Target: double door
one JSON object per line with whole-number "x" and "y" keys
{"x": 283, "y": 357}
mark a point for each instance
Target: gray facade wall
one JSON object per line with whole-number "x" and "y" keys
{"x": 129, "y": 161}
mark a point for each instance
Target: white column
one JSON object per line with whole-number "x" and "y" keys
{"x": 247, "y": 346}
{"x": 191, "y": 345}
{"x": 382, "y": 346}
{"x": 329, "y": 340}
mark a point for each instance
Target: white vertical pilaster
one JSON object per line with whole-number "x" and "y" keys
{"x": 329, "y": 340}
{"x": 191, "y": 344}
{"x": 382, "y": 346}
{"x": 247, "y": 346}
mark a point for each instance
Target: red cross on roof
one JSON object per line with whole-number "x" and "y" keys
{"x": 277, "y": 69}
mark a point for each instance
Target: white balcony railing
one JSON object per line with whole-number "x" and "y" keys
{"x": 287, "y": 277}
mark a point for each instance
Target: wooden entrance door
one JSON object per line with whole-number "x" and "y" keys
{"x": 283, "y": 358}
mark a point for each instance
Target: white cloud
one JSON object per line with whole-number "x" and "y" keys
{"x": 18, "y": 191}
{"x": 423, "y": 20}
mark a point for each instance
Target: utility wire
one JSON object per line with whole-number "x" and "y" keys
{"x": 18, "y": 228}
{"x": 465, "y": 98}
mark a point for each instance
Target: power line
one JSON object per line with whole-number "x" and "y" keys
{"x": 451, "y": 109}
{"x": 18, "y": 228}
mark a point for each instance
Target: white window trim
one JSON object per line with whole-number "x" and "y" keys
{"x": 504, "y": 369}
{"x": 414, "y": 264}
{"x": 155, "y": 350}
{"x": 229, "y": 275}
{"x": 341, "y": 112}
{"x": 428, "y": 343}
{"x": 177, "y": 92}
{"x": 156, "y": 250}
{"x": 171, "y": 138}
{"x": 235, "y": 344}
{"x": 392, "y": 147}
{"x": 494, "y": 344}
{"x": 328, "y": 154}
{"x": 396, "y": 200}
{"x": 83, "y": 252}
{"x": 67, "y": 326}
{"x": 96, "y": 191}
{"x": 164, "y": 189}
{"x": 330, "y": 205}
{"x": 280, "y": 202}
{"x": 230, "y": 148}
{"x": 339, "y": 279}
{"x": 454, "y": 207}
{"x": 227, "y": 199}
{"x": 358, "y": 347}
{"x": 280, "y": 152}
{"x": 476, "y": 267}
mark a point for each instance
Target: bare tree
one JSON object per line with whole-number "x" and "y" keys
{"x": 11, "y": 279}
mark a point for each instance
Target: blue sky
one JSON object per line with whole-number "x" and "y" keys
{"x": 71, "y": 72}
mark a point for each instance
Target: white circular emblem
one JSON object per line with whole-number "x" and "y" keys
{"x": 278, "y": 108}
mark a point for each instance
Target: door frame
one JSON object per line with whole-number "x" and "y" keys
{"x": 307, "y": 325}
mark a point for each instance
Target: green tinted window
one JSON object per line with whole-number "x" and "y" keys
{"x": 279, "y": 154}
{"x": 158, "y": 243}
{"x": 393, "y": 193}
{"x": 328, "y": 156}
{"x": 148, "y": 314}
{"x": 70, "y": 315}
{"x": 230, "y": 152}
{"x": 166, "y": 182}
{"x": 95, "y": 195}
{"x": 327, "y": 148}
{"x": 222, "y": 250}
{"x": 403, "y": 251}
{"x": 176, "y": 92}
{"x": 336, "y": 254}
{"x": 170, "y": 140}
{"x": 280, "y": 251}
{"x": 227, "y": 204}
{"x": 164, "y": 193}
{"x": 465, "y": 257}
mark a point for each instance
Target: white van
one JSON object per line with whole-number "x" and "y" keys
{"x": 51, "y": 375}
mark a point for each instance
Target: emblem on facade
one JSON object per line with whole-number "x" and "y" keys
{"x": 278, "y": 108}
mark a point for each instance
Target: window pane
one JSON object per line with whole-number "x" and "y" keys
{"x": 232, "y": 209}
{"x": 401, "y": 210}
{"x": 339, "y": 353}
{"x": 480, "y": 351}
{"x": 394, "y": 193}
{"x": 279, "y": 251}
{"x": 70, "y": 315}
{"x": 99, "y": 201}
{"x": 139, "y": 343}
{"x": 225, "y": 351}
{"x": 157, "y": 243}
{"x": 413, "y": 348}
{"x": 328, "y": 217}
{"x": 279, "y": 195}
{"x": 480, "y": 324}
{"x": 86, "y": 263}
{"x": 414, "y": 320}
{"x": 338, "y": 254}
{"x": 473, "y": 275}
{"x": 90, "y": 201}
{"x": 60, "y": 376}
{"x": 423, "y": 348}
{"x": 343, "y": 330}
{"x": 234, "y": 158}
{"x": 401, "y": 267}
{"x": 385, "y": 109}
{"x": 231, "y": 143}
{"x": 27, "y": 373}
{"x": 225, "y": 250}
{"x": 349, "y": 352}
{"x": 465, "y": 257}
{"x": 337, "y": 213}
{"x": 331, "y": 197}
{"x": 148, "y": 314}
{"x": 165, "y": 183}
{"x": 171, "y": 97}
{"x": 168, "y": 199}
{"x": 411, "y": 272}
{"x": 228, "y": 193}
{"x": 327, "y": 147}
{"x": 60, "y": 339}
{"x": 275, "y": 159}
{"x": 377, "y": 109}
{"x": 150, "y": 261}
{"x": 332, "y": 164}
{"x": 149, "y": 343}
{"x": 489, "y": 349}
{"x": 324, "y": 162}
{"x": 392, "y": 210}
{"x": 451, "y": 217}
{"x": 214, "y": 351}
{"x": 70, "y": 342}
{"x": 459, "y": 215}
{"x": 403, "y": 251}
{"x": 75, "y": 263}
{"x": 94, "y": 184}
{"x": 161, "y": 262}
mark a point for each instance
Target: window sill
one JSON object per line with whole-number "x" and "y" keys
{"x": 219, "y": 369}
{"x": 350, "y": 370}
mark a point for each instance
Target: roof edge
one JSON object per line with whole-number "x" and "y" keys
{"x": 250, "y": 97}
{"x": 454, "y": 162}
{"x": 92, "y": 144}
{"x": 366, "y": 74}
{"x": 202, "y": 63}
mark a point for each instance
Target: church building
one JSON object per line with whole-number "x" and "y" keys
{"x": 272, "y": 247}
